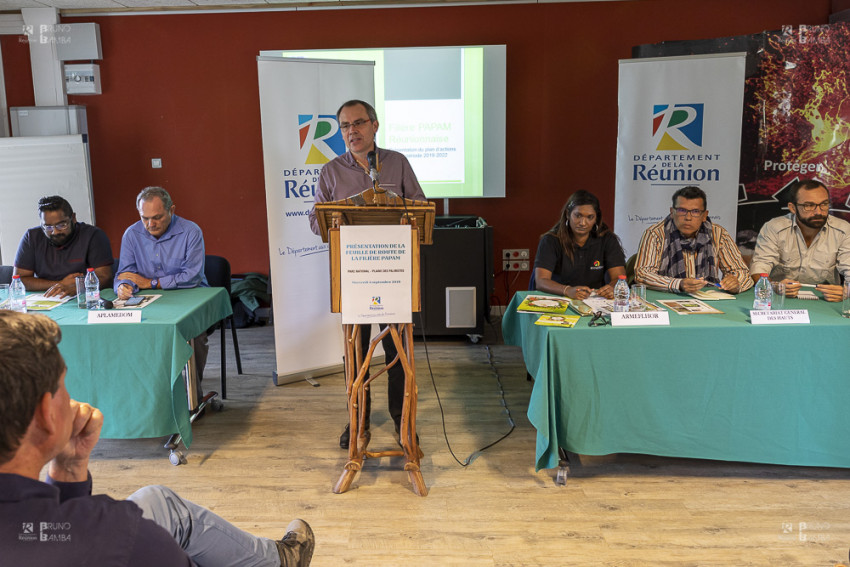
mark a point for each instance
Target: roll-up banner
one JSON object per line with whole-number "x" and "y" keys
{"x": 298, "y": 103}
{"x": 679, "y": 125}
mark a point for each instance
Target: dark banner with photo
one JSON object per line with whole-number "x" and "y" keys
{"x": 796, "y": 116}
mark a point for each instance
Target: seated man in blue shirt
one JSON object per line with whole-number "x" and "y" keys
{"x": 162, "y": 251}
{"x": 51, "y": 255}
{"x": 59, "y": 522}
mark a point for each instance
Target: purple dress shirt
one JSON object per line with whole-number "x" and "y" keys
{"x": 343, "y": 177}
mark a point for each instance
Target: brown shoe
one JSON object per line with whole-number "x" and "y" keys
{"x": 296, "y": 547}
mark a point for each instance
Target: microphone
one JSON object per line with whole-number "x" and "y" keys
{"x": 373, "y": 170}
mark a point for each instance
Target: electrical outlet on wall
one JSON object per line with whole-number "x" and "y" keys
{"x": 516, "y": 260}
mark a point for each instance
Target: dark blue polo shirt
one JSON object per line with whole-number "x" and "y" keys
{"x": 62, "y": 525}
{"x": 88, "y": 248}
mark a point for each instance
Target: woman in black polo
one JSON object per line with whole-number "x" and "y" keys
{"x": 575, "y": 256}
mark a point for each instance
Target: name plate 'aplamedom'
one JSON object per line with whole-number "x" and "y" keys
{"x": 115, "y": 316}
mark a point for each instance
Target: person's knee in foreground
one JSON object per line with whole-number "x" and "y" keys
{"x": 57, "y": 522}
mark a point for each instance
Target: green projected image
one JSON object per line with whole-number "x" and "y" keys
{"x": 443, "y": 108}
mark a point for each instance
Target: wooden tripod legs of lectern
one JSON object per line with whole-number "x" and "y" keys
{"x": 356, "y": 366}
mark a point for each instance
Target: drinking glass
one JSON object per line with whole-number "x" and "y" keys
{"x": 637, "y": 299}
{"x": 81, "y": 291}
{"x": 778, "y": 295}
{"x": 845, "y": 304}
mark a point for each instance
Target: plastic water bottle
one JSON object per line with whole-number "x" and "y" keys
{"x": 621, "y": 295}
{"x": 17, "y": 295}
{"x": 763, "y": 294}
{"x": 92, "y": 290}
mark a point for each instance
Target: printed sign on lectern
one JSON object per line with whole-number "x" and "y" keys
{"x": 375, "y": 266}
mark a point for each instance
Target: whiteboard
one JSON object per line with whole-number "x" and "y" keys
{"x": 37, "y": 166}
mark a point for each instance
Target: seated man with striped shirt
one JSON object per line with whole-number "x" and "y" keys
{"x": 686, "y": 252}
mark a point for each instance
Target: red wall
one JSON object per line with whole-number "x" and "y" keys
{"x": 184, "y": 88}
{"x": 17, "y": 71}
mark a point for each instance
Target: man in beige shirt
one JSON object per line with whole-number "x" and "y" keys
{"x": 806, "y": 246}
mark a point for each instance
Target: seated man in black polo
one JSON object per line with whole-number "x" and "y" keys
{"x": 50, "y": 256}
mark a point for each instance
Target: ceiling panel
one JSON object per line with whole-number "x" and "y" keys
{"x": 72, "y": 6}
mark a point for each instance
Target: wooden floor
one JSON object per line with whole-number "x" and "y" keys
{"x": 272, "y": 454}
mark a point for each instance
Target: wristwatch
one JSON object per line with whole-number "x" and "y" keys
{"x": 154, "y": 283}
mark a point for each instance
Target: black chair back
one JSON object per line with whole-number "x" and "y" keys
{"x": 217, "y": 271}
{"x": 6, "y": 274}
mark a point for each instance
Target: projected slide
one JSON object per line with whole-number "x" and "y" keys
{"x": 430, "y": 133}
{"x": 424, "y": 111}
{"x": 443, "y": 108}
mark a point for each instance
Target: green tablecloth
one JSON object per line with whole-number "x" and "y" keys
{"x": 707, "y": 386}
{"x": 133, "y": 372}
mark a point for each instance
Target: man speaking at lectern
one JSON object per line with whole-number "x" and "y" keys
{"x": 350, "y": 174}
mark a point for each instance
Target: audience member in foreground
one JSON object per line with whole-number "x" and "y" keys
{"x": 59, "y": 522}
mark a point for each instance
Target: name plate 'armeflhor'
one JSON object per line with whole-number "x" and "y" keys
{"x": 639, "y": 318}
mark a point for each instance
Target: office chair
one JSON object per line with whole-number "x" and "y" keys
{"x": 6, "y": 274}
{"x": 630, "y": 269}
{"x": 217, "y": 272}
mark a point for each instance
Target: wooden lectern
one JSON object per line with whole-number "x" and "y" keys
{"x": 376, "y": 206}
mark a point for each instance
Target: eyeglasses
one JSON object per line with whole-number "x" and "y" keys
{"x": 809, "y": 207}
{"x": 345, "y": 126}
{"x": 685, "y": 212}
{"x": 599, "y": 319}
{"x": 58, "y": 226}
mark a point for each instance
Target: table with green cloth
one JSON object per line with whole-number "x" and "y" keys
{"x": 132, "y": 372}
{"x": 706, "y": 386}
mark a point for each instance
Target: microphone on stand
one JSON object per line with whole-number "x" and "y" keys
{"x": 373, "y": 170}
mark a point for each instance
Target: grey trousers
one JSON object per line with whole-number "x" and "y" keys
{"x": 206, "y": 537}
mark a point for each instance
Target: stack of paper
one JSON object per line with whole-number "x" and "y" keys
{"x": 544, "y": 304}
